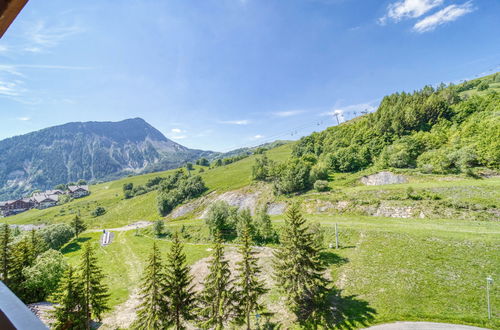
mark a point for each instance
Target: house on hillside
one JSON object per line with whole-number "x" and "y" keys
{"x": 43, "y": 201}
{"x": 15, "y": 206}
{"x": 54, "y": 192}
{"x": 78, "y": 191}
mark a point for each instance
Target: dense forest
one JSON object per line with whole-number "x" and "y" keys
{"x": 433, "y": 130}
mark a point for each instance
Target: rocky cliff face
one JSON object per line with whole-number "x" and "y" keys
{"x": 90, "y": 151}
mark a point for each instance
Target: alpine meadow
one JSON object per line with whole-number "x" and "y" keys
{"x": 235, "y": 165}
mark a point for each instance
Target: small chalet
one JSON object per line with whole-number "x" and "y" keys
{"x": 43, "y": 201}
{"x": 78, "y": 191}
{"x": 15, "y": 206}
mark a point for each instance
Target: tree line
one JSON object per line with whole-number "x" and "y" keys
{"x": 35, "y": 271}
{"x": 169, "y": 300}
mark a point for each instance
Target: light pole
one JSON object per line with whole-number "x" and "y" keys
{"x": 489, "y": 281}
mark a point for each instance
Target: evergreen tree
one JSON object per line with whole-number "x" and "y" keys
{"x": 152, "y": 312}
{"x": 298, "y": 269}
{"x": 22, "y": 257}
{"x": 38, "y": 244}
{"x": 179, "y": 289}
{"x": 264, "y": 227}
{"x": 5, "y": 253}
{"x": 95, "y": 293}
{"x": 78, "y": 225}
{"x": 250, "y": 287}
{"x": 69, "y": 310}
{"x": 217, "y": 299}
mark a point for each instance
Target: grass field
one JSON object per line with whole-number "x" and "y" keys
{"x": 387, "y": 269}
{"x": 120, "y": 212}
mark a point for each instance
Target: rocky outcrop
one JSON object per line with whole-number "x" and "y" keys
{"x": 382, "y": 178}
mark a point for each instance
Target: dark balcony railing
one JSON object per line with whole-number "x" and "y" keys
{"x": 14, "y": 314}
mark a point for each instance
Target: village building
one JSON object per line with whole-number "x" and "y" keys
{"x": 43, "y": 201}
{"x": 78, "y": 191}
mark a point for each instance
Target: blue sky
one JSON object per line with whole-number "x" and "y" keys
{"x": 221, "y": 74}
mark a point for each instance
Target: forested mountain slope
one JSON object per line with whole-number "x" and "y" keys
{"x": 449, "y": 129}
{"x": 90, "y": 151}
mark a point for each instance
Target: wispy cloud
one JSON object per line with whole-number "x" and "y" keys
{"x": 235, "y": 122}
{"x": 288, "y": 113}
{"x": 408, "y": 9}
{"x": 23, "y": 118}
{"x": 11, "y": 88}
{"x": 40, "y": 35}
{"x": 448, "y": 14}
{"x": 176, "y": 130}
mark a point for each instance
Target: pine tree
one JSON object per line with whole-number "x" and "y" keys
{"x": 38, "y": 244}
{"x": 152, "y": 313}
{"x": 22, "y": 257}
{"x": 298, "y": 270}
{"x": 5, "y": 253}
{"x": 217, "y": 299}
{"x": 179, "y": 289}
{"x": 250, "y": 287}
{"x": 95, "y": 293}
{"x": 78, "y": 225}
{"x": 69, "y": 310}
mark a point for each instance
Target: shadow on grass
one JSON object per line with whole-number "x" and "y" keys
{"x": 349, "y": 312}
{"x": 341, "y": 312}
{"x": 330, "y": 258}
{"x": 75, "y": 245}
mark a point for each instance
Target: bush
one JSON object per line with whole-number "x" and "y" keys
{"x": 43, "y": 277}
{"x": 178, "y": 188}
{"x": 321, "y": 185}
{"x": 261, "y": 168}
{"x": 483, "y": 86}
{"x": 221, "y": 219}
{"x": 264, "y": 231}
{"x": 291, "y": 177}
{"x": 98, "y": 211}
{"x": 319, "y": 172}
{"x": 434, "y": 161}
{"x": 57, "y": 235}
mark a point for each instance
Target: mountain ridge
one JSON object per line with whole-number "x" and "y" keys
{"x": 86, "y": 150}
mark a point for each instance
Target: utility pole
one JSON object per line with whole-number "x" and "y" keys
{"x": 336, "y": 236}
{"x": 489, "y": 281}
{"x": 337, "y": 116}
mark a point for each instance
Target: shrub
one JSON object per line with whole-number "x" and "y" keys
{"x": 221, "y": 219}
{"x": 483, "y": 86}
{"x": 321, "y": 185}
{"x": 292, "y": 176}
{"x": 435, "y": 161}
{"x": 178, "y": 188}
{"x": 98, "y": 211}
{"x": 57, "y": 235}
{"x": 43, "y": 277}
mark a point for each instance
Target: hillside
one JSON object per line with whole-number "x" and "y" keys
{"x": 89, "y": 151}
{"x": 419, "y": 249}
{"x": 448, "y": 129}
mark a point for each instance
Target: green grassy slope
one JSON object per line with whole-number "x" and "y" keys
{"x": 120, "y": 212}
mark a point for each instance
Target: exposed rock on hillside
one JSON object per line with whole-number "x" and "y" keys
{"x": 382, "y": 178}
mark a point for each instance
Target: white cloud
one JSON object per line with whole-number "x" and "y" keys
{"x": 176, "y": 130}
{"x": 41, "y": 35}
{"x": 257, "y": 137}
{"x": 445, "y": 15}
{"x": 288, "y": 113}
{"x": 11, "y": 88}
{"x": 178, "y": 137}
{"x": 235, "y": 122}
{"x": 350, "y": 111}
{"x": 409, "y": 9}
{"x": 24, "y": 118}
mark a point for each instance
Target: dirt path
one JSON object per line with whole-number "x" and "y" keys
{"x": 422, "y": 326}
{"x": 132, "y": 226}
{"x": 123, "y": 315}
